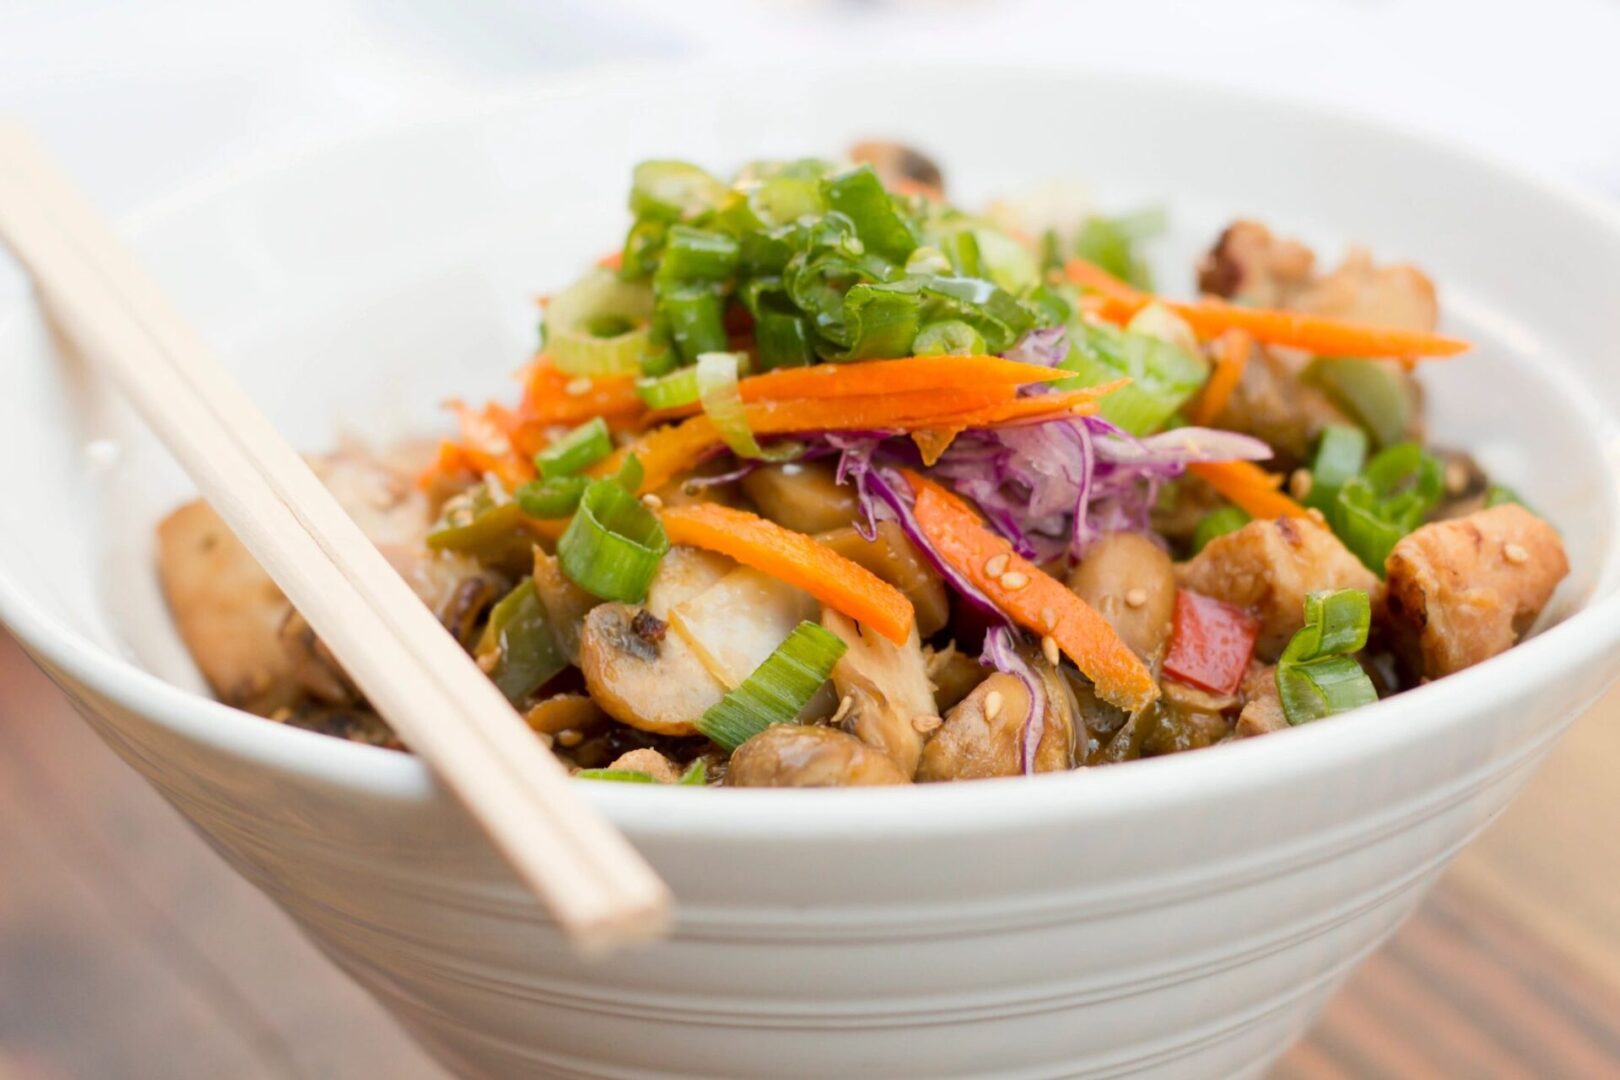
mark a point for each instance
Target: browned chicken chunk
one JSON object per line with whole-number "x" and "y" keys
{"x": 1262, "y": 707}
{"x": 1464, "y": 590}
{"x": 1269, "y": 567}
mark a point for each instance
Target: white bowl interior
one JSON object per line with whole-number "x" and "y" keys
{"x": 354, "y": 288}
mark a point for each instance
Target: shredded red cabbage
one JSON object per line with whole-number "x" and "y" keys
{"x": 1047, "y": 346}
{"x": 1001, "y": 653}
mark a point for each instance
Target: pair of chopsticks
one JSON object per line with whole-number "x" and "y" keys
{"x": 593, "y": 882}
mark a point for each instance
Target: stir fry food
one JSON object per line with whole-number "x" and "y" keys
{"x": 818, "y": 480}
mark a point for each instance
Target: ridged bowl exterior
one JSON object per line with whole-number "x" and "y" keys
{"x": 1180, "y": 917}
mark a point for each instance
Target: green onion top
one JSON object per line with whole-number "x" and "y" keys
{"x": 1318, "y": 674}
{"x": 582, "y": 447}
{"x": 613, "y": 543}
{"x": 778, "y": 690}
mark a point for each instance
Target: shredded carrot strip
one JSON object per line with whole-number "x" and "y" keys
{"x": 1231, "y": 357}
{"x": 554, "y": 397}
{"x": 797, "y": 559}
{"x": 1249, "y": 487}
{"x": 1033, "y": 598}
{"x": 911, "y": 375}
{"x": 1315, "y": 334}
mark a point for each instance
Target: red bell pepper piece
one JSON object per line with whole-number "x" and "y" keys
{"x": 1211, "y": 643}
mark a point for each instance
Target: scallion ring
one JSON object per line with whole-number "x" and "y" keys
{"x": 584, "y": 446}
{"x": 777, "y": 691}
{"x": 722, "y": 401}
{"x": 613, "y": 543}
{"x": 576, "y": 317}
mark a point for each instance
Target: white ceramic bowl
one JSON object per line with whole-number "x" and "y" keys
{"x": 1178, "y": 917}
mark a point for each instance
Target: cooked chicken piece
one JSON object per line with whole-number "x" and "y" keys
{"x": 237, "y": 624}
{"x": 984, "y": 735}
{"x": 735, "y": 624}
{"x": 1464, "y": 590}
{"x": 1262, "y": 706}
{"x": 1273, "y": 404}
{"x": 900, "y": 167}
{"x": 1269, "y": 567}
{"x": 804, "y": 496}
{"x": 891, "y": 700}
{"x": 1401, "y": 296}
{"x": 643, "y": 675}
{"x": 1130, "y": 580}
{"x": 788, "y": 755}
{"x": 683, "y": 573}
{"x": 649, "y": 761}
{"x": 1251, "y": 265}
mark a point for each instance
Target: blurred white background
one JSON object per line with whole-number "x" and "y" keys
{"x": 142, "y": 98}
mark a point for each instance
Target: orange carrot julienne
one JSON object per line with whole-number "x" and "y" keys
{"x": 1231, "y": 357}
{"x": 1249, "y": 487}
{"x": 1032, "y": 597}
{"x": 1316, "y": 334}
{"x": 797, "y": 559}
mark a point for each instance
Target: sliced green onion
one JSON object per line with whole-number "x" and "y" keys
{"x": 1216, "y": 523}
{"x": 590, "y": 302}
{"x": 696, "y": 774}
{"x": 722, "y": 401}
{"x": 619, "y": 776}
{"x": 783, "y": 340}
{"x": 859, "y": 195}
{"x": 1318, "y": 675}
{"x": 961, "y": 247}
{"x": 581, "y": 447}
{"x": 1339, "y": 457}
{"x": 1006, "y": 262}
{"x": 1375, "y": 393}
{"x": 673, "y": 191}
{"x": 613, "y": 543}
{"x": 777, "y": 691}
{"x": 696, "y": 320}
{"x": 630, "y": 474}
{"x": 697, "y": 255}
{"x": 1163, "y": 376}
{"x": 1407, "y": 469}
{"x": 670, "y": 391}
{"x": 643, "y": 246}
{"x": 527, "y": 653}
{"x": 1360, "y": 520}
{"x": 550, "y": 499}
{"x": 1394, "y": 495}
{"x": 952, "y": 337}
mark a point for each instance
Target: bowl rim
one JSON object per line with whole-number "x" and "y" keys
{"x": 1581, "y": 640}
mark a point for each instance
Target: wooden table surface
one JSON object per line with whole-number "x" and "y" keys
{"x": 127, "y": 949}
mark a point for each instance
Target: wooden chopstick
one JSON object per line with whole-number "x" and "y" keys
{"x": 593, "y": 882}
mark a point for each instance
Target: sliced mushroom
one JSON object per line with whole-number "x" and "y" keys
{"x": 684, "y": 572}
{"x": 804, "y": 496}
{"x": 900, "y": 167}
{"x": 643, "y": 675}
{"x": 1130, "y": 580}
{"x": 954, "y": 675}
{"x": 984, "y": 735}
{"x": 891, "y": 700}
{"x": 788, "y": 755}
{"x": 894, "y": 558}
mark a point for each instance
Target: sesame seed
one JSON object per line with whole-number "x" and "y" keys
{"x": 578, "y": 387}
{"x": 1013, "y": 580}
{"x": 996, "y": 566}
{"x": 1049, "y": 646}
{"x": 569, "y": 738}
{"x": 992, "y": 705}
{"x": 1136, "y": 597}
{"x": 1515, "y": 554}
{"x": 652, "y": 502}
{"x": 925, "y": 724}
{"x": 1299, "y": 484}
{"x": 1048, "y": 618}
{"x": 845, "y": 704}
